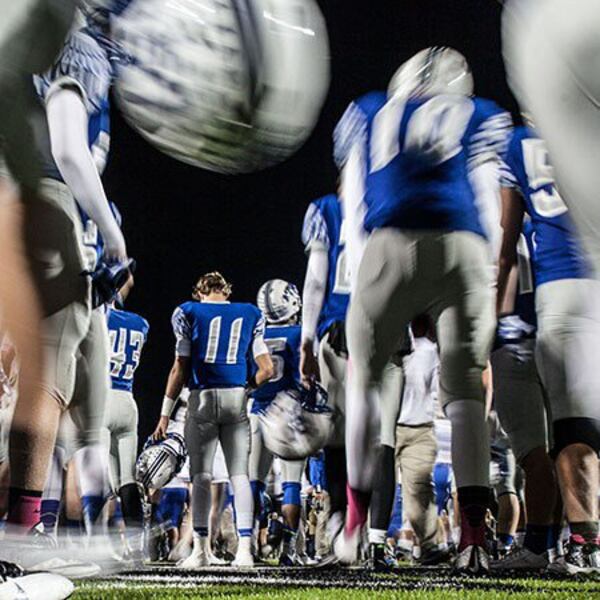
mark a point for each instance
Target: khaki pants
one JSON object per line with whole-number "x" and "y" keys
{"x": 416, "y": 450}
{"x": 333, "y": 379}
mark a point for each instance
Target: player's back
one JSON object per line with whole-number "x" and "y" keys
{"x": 418, "y": 155}
{"x": 557, "y": 254}
{"x": 127, "y": 333}
{"x": 283, "y": 343}
{"x": 421, "y": 152}
{"x": 221, "y": 335}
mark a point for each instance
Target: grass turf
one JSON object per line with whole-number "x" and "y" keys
{"x": 339, "y": 586}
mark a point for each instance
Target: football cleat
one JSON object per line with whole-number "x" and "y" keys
{"x": 243, "y": 557}
{"x": 580, "y": 559}
{"x": 380, "y": 559}
{"x": 521, "y": 559}
{"x": 346, "y": 546}
{"x": 38, "y": 586}
{"x": 434, "y": 556}
{"x": 473, "y": 560}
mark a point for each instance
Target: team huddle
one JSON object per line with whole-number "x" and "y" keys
{"x": 429, "y": 396}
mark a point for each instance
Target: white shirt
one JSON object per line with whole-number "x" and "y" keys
{"x": 421, "y": 384}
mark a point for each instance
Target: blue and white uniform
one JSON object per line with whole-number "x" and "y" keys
{"x": 324, "y": 230}
{"x": 283, "y": 343}
{"x": 218, "y": 338}
{"x": 566, "y": 296}
{"x": 427, "y": 248}
{"x": 84, "y": 64}
{"x": 128, "y": 333}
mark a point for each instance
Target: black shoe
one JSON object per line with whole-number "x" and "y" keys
{"x": 380, "y": 559}
{"x": 435, "y": 556}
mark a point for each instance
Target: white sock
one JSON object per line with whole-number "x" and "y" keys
{"x": 244, "y": 506}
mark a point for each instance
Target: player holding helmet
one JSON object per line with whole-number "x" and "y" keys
{"x": 280, "y": 304}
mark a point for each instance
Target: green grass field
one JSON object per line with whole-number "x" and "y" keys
{"x": 339, "y": 584}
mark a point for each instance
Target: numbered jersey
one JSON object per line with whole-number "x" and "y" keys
{"x": 417, "y": 155}
{"x": 218, "y": 337}
{"x": 128, "y": 333}
{"x": 324, "y": 227}
{"x": 557, "y": 254}
{"x": 284, "y": 346}
{"x": 83, "y": 64}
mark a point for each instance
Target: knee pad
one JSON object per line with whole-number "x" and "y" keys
{"x": 576, "y": 430}
{"x": 291, "y": 493}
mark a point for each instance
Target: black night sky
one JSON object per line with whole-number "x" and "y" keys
{"x": 180, "y": 222}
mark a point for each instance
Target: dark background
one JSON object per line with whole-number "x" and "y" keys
{"x": 180, "y": 221}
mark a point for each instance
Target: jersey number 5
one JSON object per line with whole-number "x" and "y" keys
{"x": 540, "y": 174}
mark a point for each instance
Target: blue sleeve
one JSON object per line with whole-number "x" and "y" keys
{"x": 314, "y": 229}
{"x": 490, "y": 132}
{"x": 82, "y": 63}
{"x": 351, "y": 128}
{"x": 182, "y": 329}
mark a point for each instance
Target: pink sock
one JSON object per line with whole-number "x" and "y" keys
{"x": 24, "y": 508}
{"x": 358, "y": 508}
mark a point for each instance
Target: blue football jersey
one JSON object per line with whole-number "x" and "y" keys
{"x": 128, "y": 333}
{"x": 557, "y": 255}
{"x": 324, "y": 227}
{"x": 218, "y": 338}
{"x": 83, "y": 63}
{"x": 525, "y": 300}
{"x": 417, "y": 156}
{"x": 284, "y": 346}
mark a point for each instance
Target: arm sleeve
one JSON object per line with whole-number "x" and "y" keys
{"x": 183, "y": 333}
{"x": 68, "y": 123}
{"x": 315, "y": 233}
{"x": 350, "y": 129}
{"x": 259, "y": 346}
{"x": 313, "y": 295}
{"x": 485, "y": 180}
{"x": 490, "y": 140}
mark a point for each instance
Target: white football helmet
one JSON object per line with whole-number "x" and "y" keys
{"x": 298, "y": 423}
{"x": 435, "y": 70}
{"x": 224, "y": 85}
{"x": 160, "y": 461}
{"x": 278, "y": 300}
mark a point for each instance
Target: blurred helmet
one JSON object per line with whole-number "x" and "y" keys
{"x": 160, "y": 461}
{"x": 297, "y": 423}
{"x": 435, "y": 70}
{"x": 224, "y": 85}
{"x": 278, "y": 300}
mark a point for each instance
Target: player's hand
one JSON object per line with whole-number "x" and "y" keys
{"x": 160, "y": 433}
{"x": 309, "y": 365}
{"x": 115, "y": 249}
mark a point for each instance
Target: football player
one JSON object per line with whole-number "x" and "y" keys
{"x": 128, "y": 333}
{"x": 214, "y": 337}
{"x": 280, "y": 304}
{"x": 74, "y": 92}
{"x": 550, "y": 51}
{"x": 324, "y": 305}
{"x": 427, "y": 250}
{"x": 566, "y": 325}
